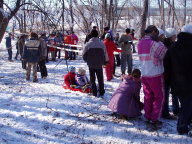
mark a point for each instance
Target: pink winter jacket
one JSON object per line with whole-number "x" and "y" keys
{"x": 151, "y": 54}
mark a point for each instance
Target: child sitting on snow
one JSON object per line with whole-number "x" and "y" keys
{"x": 126, "y": 100}
{"x": 76, "y": 82}
{"x": 82, "y": 80}
{"x": 81, "y": 77}
{"x": 69, "y": 78}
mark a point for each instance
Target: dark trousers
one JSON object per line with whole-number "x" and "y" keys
{"x": 58, "y": 52}
{"x": 114, "y": 68}
{"x": 175, "y": 102}
{"x": 118, "y": 60}
{"x": 17, "y": 53}
{"x": 9, "y": 50}
{"x": 133, "y": 47}
{"x": 24, "y": 63}
{"x": 99, "y": 73}
{"x": 47, "y": 58}
{"x": 72, "y": 55}
{"x": 126, "y": 59}
{"x": 43, "y": 68}
{"x": 165, "y": 110}
{"x": 185, "y": 114}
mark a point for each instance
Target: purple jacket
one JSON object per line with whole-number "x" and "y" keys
{"x": 125, "y": 100}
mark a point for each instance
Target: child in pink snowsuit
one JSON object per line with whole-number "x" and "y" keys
{"x": 151, "y": 54}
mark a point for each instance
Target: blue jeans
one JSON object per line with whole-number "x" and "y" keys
{"x": 9, "y": 50}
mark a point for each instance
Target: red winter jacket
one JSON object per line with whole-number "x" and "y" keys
{"x": 69, "y": 79}
{"x": 111, "y": 47}
{"x": 51, "y": 41}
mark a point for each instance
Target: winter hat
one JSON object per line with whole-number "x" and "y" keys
{"x": 81, "y": 71}
{"x": 72, "y": 69}
{"x": 187, "y": 28}
{"x": 106, "y": 28}
{"x": 161, "y": 32}
{"x": 107, "y": 36}
{"x": 169, "y": 32}
{"x": 94, "y": 33}
{"x": 150, "y": 29}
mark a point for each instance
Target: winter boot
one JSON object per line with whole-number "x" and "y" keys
{"x": 35, "y": 79}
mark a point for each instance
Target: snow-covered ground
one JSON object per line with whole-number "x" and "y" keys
{"x": 45, "y": 113}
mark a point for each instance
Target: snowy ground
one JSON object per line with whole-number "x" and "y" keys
{"x": 45, "y": 113}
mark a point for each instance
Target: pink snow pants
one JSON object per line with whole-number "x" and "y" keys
{"x": 153, "y": 89}
{"x": 109, "y": 68}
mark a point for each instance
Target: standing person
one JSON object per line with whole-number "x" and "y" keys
{"x": 89, "y": 36}
{"x": 74, "y": 41}
{"x": 133, "y": 38}
{"x": 31, "y": 55}
{"x": 43, "y": 55}
{"x": 59, "y": 42}
{"x": 17, "y": 53}
{"x": 126, "y": 54}
{"x": 111, "y": 47}
{"x": 106, "y": 30}
{"x": 151, "y": 54}
{"x": 52, "y": 50}
{"x": 95, "y": 55}
{"x": 67, "y": 40}
{"x": 9, "y": 46}
{"x": 168, "y": 42}
{"x": 117, "y": 56}
{"x": 21, "y": 43}
{"x": 126, "y": 99}
{"x": 177, "y": 63}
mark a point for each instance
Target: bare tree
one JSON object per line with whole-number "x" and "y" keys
{"x": 144, "y": 17}
{"x": 6, "y": 16}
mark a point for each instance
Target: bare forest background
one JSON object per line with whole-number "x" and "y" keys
{"x": 80, "y": 15}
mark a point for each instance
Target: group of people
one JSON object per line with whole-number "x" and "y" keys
{"x": 165, "y": 67}
{"x": 57, "y": 39}
{"x": 165, "y": 60}
{"x": 34, "y": 51}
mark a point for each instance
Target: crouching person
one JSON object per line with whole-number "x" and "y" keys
{"x": 125, "y": 102}
{"x": 31, "y": 55}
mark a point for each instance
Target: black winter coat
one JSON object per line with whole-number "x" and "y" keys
{"x": 178, "y": 64}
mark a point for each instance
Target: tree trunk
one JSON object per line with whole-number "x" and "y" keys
{"x": 4, "y": 20}
{"x": 110, "y": 13}
{"x": 185, "y": 12}
{"x": 71, "y": 14}
{"x": 173, "y": 18}
{"x": 162, "y": 15}
{"x": 144, "y": 18}
{"x": 3, "y": 24}
{"x": 63, "y": 12}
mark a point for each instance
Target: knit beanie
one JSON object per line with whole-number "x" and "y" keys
{"x": 187, "y": 28}
{"x": 81, "y": 71}
{"x": 161, "y": 32}
{"x": 169, "y": 32}
{"x": 72, "y": 69}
